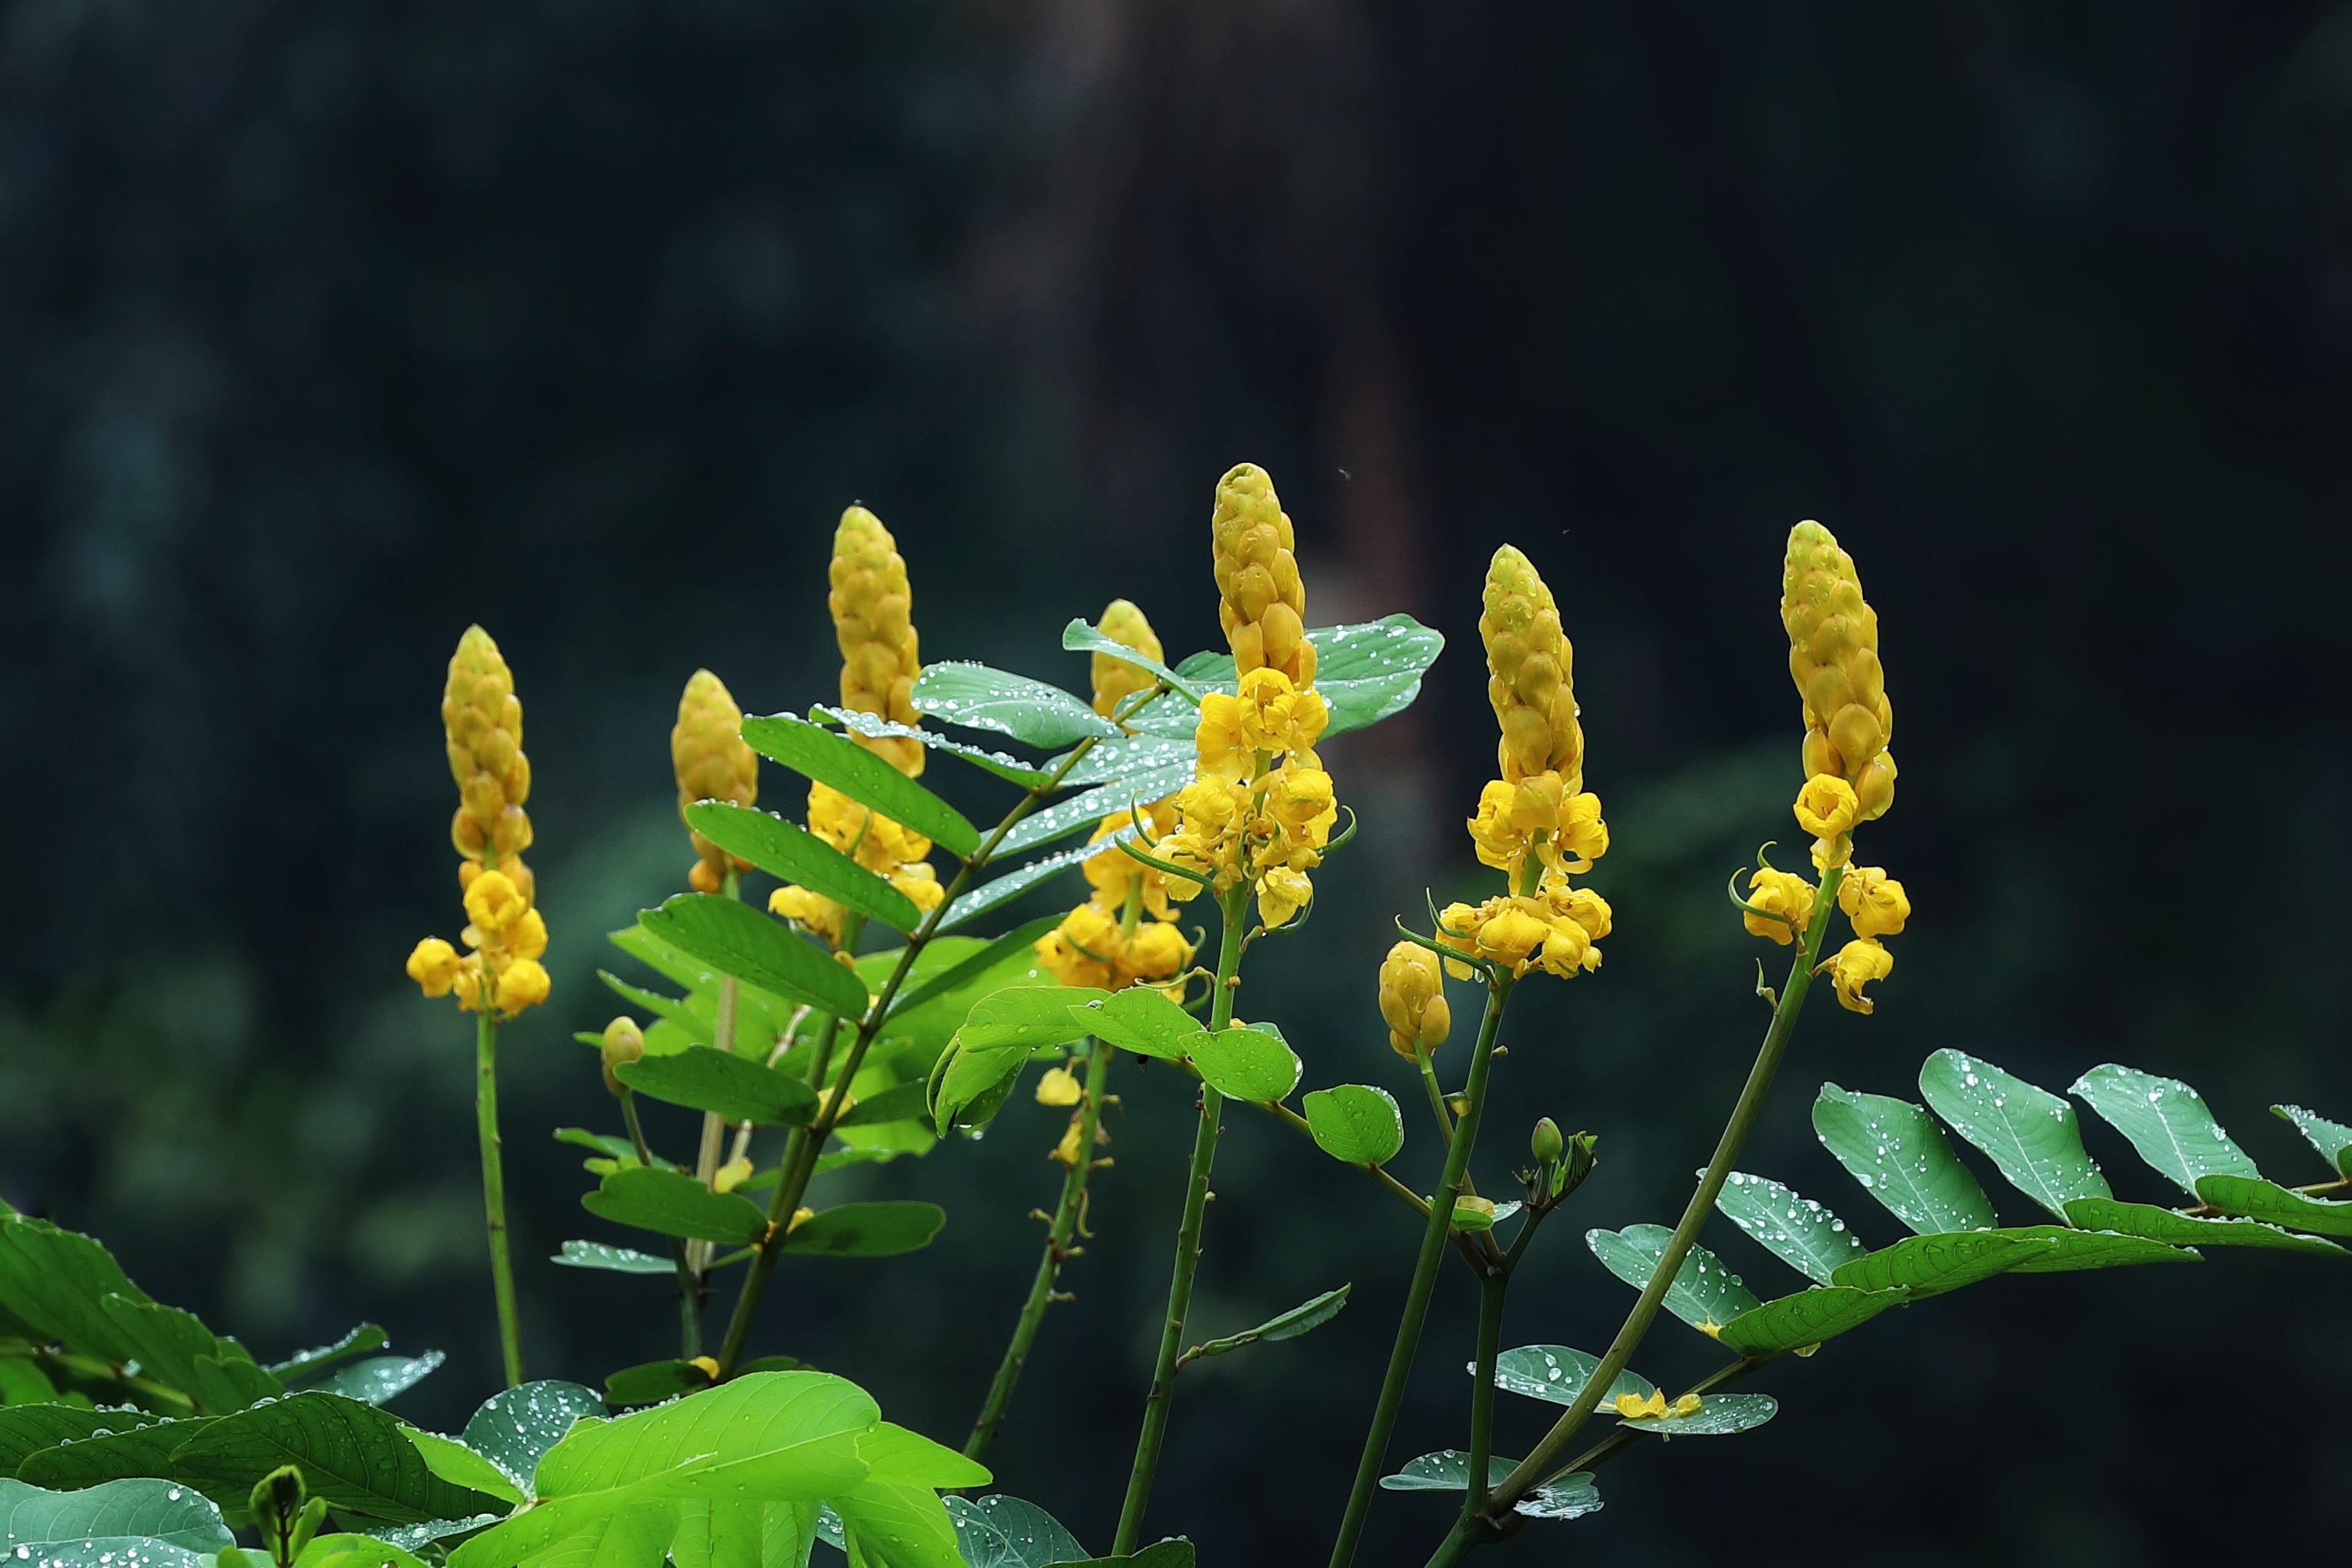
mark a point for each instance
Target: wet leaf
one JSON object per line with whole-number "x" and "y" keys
{"x": 1797, "y": 1230}
{"x": 2188, "y": 1231}
{"x": 673, "y": 1204}
{"x": 514, "y": 1428}
{"x": 1010, "y": 768}
{"x": 377, "y": 1380}
{"x": 2332, "y": 1139}
{"x": 999, "y": 1531}
{"x": 836, "y": 761}
{"x": 737, "y": 1088}
{"x": 1303, "y": 1318}
{"x": 1123, "y": 797}
{"x": 1901, "y": 1157}
{"x": 1248, "y": 1063}
{"x": 1704, "y": 1292}
{"x": 978, "y": 697}
{"x": 615, "y": 1259}
{"x": 1140, "y": 1019}
{"x": 1717, "y": 1416}
{"x": 134, "y": 1523}
{"x": 1556, "y": 1374}
{"x": 356, "y": 1456}
{"x": 1806, "y": 1318}
{"x": 1356, "y": 1124}
{"x": 739, "y": 940}
{"x": 1931, "y": 1264}
{"x": 2266, "y": 1200}
{"x": 2166, "y": 1121}
{"x": 1079, "y": 637}
{"x": 787, "y": 850}
{"x": 2028, "y": 1132}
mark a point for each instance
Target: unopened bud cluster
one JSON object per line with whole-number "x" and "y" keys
{"x": 870, "y": 602}
{"x": 1126, "y": 931}
{"x": 482, "y": 721}
{"x": 1260, "y": 809}
{"x": 1538, "y": 810}
{"x": 708, "y": 752}
{"x": 1849, "y": 772}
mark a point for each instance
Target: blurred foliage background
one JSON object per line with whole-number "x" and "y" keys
{"x": 328, "y": 328}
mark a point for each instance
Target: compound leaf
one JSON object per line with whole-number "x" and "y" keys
{"x": 1797, "y": 1230}
{"x": 2166, "y": 1121}
{"x": 1898, "y": 1154}
{"x": 2028, "y": 1132}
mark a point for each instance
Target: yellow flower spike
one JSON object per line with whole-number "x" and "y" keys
{"x": 1157, "y": 951}
{"x": 1529, "y": 676}
{"x": 1782, "y": 893}
{"x": 1858, "y": 963}
{"x": 494, "y": 903}
{"x": 1263, "y": 603}
{"x": 1833, "y": 659}
{"x": 1500, "y": 842}
{"x": 708, "y": 753}
{"x": 1412, "y": 1000}
{"x": 434, "y": 966}
{"x": 1874, "y": 902}
{"x": 871, "y": 605}
{"x": 1114, "y": 682}
{"x": 1059, "y": 1087}
{"x": 1111, "y": 871}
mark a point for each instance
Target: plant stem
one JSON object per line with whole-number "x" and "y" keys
{"x": 714, "y": 1127}
{"x": 494, "y": 1189}
{"x": 1424, "y": 1279}
{"x": 1233, "y": 908}
{"x": 801, "y": 1155}
{"x": 1049, "y": 1263}
{"x": 1436, "y": 1098}
{"x": 1491, "y": 1290}
{"x": 1702, "y": 1202}
{"x": 690, "y": 1297}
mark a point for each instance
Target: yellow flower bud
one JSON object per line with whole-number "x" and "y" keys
{"x": 1263, "y": 604}
{"x": 1782, "y": 892}
{"x": 521, "y": 984}
{"x": 1529, "y": 676}
{"x": 708, "y": 753}
{"x": 1412, "y": 1000}
{"x": 482, "y": 720}
{"x": 1826, "y": 806}
{"x": 731, "y": 1175}
{"x": 1059, "y": 1086}
{"x": 880, "y": 660}
{"x": 494, "y": 903}
{"x": 624, "y": 1042}
{"x": 1114, "y": 682}
{"x": 810, "y": 911}
{"x": 1873, "y": 901}
{"x": 1067, "y": 1152}
{"x": 433, "y": 964}
{"x": 1858, "y": 963}
{"x": 1833, "y": 659}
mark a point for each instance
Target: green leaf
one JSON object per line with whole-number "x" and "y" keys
{"x": 2332, "y": 1139}
{"x": 1248, "y": 1063}
{"x": 1140, "y": 1019}
{"x": 2166, "y": 1121}
{"x": 28, "y": 1430}
{"x": 1897, "y": 1151}
{"x": 1365, "y": 672}
{"x": 1704, "y": 1292}
{"x": 1079, "y": 637}
{"x": 867, "y": 1230}
{"x": 976, "y": 902}
{"x": 978, "y": 697}
{"x": 968, "y": 1087}
{"x": 651, "y": 1382}
{"x": 892, "y": 1525}
{"x": 1571, "y": 1496}
{"x": 1303, "y": 1318}
{"x": 1129, "y": 755}
{"x": 999, "y": 1531}
{"x": 895, "y": 1103}
{"x": 355, "y": 1551}
{"x": 1806, "y": 1318}
{"x": 1174, "y": 1551}
{"x": 378, "y": 1379}
{"x": 2187, "y": 1230}
{"x": 792, "y": 853}
{"x": 893, "y": 1453}
{"x": 1121, "y": 798}
{"x": 1556, "y": 1374}
{"x": 139, "y": 1524}
{"x": 739, "y": 940}
{"x": 2070, "y": 1250}
{"x": 305, "y": 1363}
{"x": 2266, "y": 1200}
{"x": 1930, "y": 1264}
{"x": 1797, "y": 1230}
{"x": 356, "y": 1456}
{"x": 1356, "y": 1124}
{"x": 1717, "y": 1416}
{"x": 973, "y": 962}
{"x": 1026, "y": 1017}
{"x": 2028, "y": 1132}
{"x": 654, "y": 1002}
{"x": 836, "y": 761}
{"x": 675, "y": 1203}
{"x": 1010, "y": 768}
{"x": 409, "y": 1538}
{"x": 458, "y": 1464}
{"x": 1448, "y": 1469}
{"x": 735, "y": 1087}
{"x": 615, "y": 1259}
{"x": 516, "y": 1427}
{"x": 125, "y": 1450}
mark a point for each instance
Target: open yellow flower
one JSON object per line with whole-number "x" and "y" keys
{"x": 1779, "y": 893}
{"x": 1858, "y": 963}
{"x": 1873, "y": 901}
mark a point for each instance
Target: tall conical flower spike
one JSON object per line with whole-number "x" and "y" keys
{"x": 1529, "y": 676}
{"x": 871, "y": 604}
{"x": 1263, "y": 604}
{"x": 1833, "y": 659}
{"x": 707, "y": 751}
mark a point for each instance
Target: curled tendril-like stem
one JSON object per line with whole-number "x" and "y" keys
{"x": 1155, "y": 863}
{"x": 1451, "y": 955}
{"x": 1731, "y": 891}
{"x": 1354, "y": 821}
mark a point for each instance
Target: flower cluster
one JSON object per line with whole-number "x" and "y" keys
{"x": 482, "y": 720}
{"x": 1260, "y": 809}
{"x": 1849, "y": 772}
{"x": 1106, "y": 942}
{"x": 870, "y": 602}
{"x": 708, "y": 751}
{"x": 1538, "y": 810}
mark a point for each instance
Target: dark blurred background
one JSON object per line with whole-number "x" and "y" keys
{"x": 326, "y": 328}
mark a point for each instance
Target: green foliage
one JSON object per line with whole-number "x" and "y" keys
{"x": 2166, "y": 1121}
{"x": 834, "y": 760}
{"x": 2181, "y": 1229}
{"x": 137, "y": 1523}
{"x": 1303, "y": 1318}
{"x": 1011, "y": 769}
{"x": 378, "y": 1379}
{"x": 1797, "y": 1230}
{"x": 2258, "y": 1199}
{"x": 1143, "y": 1020}
{"x": 999, "y": 1531}
{"x": 1717, "y": 1416}
{"x": 1079, "y": 637}
{"x": 736, "y": 939}
{"x": 1705, "y": 1294}
{"x": 791, "y": 853}
{"x": 1356, "y": 1124}
{"x": 2029, "y": 1133}
{"x": 867, "y": 1230}
{"x": 738, "y": 1088}
{"x": 1365, "y": 673}
{"x": 1806, "y": 1318}
{"x": 1901, "y": 1157}
{"x": 1556, "y": 1374}
{"x": 1448, "y": 1469}
{"x": 515, "y": 1429}
{"x": 1248, "y": 1064}
{"x": 1121, "y": 798}
{"x": 978, "y": 697}
{"x": 675, "y": 1203}
{"x": 2332, "y": 1139}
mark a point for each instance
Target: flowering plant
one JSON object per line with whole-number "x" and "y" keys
{"x": 856, "y": 1019}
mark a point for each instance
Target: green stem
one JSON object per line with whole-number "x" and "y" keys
{"x": 714, "y": 1127}
{"x": 801, "y": 1155}
{"x": 494, "y": 1189}
{"x": 1491, "y": 1290}
{"x": 1424, "y": 1279}
{"x": 1702, "y": 1203}
{"x": 89, "y": 1368}
{"x": 1233, "y": 908}
{"x": 1049, "y": 1263}
{"x": 1436, "y": 1097}
{"x": 689, "y": 1296}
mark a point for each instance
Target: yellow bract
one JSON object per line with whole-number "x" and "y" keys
{"x": 708, "y": 753}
